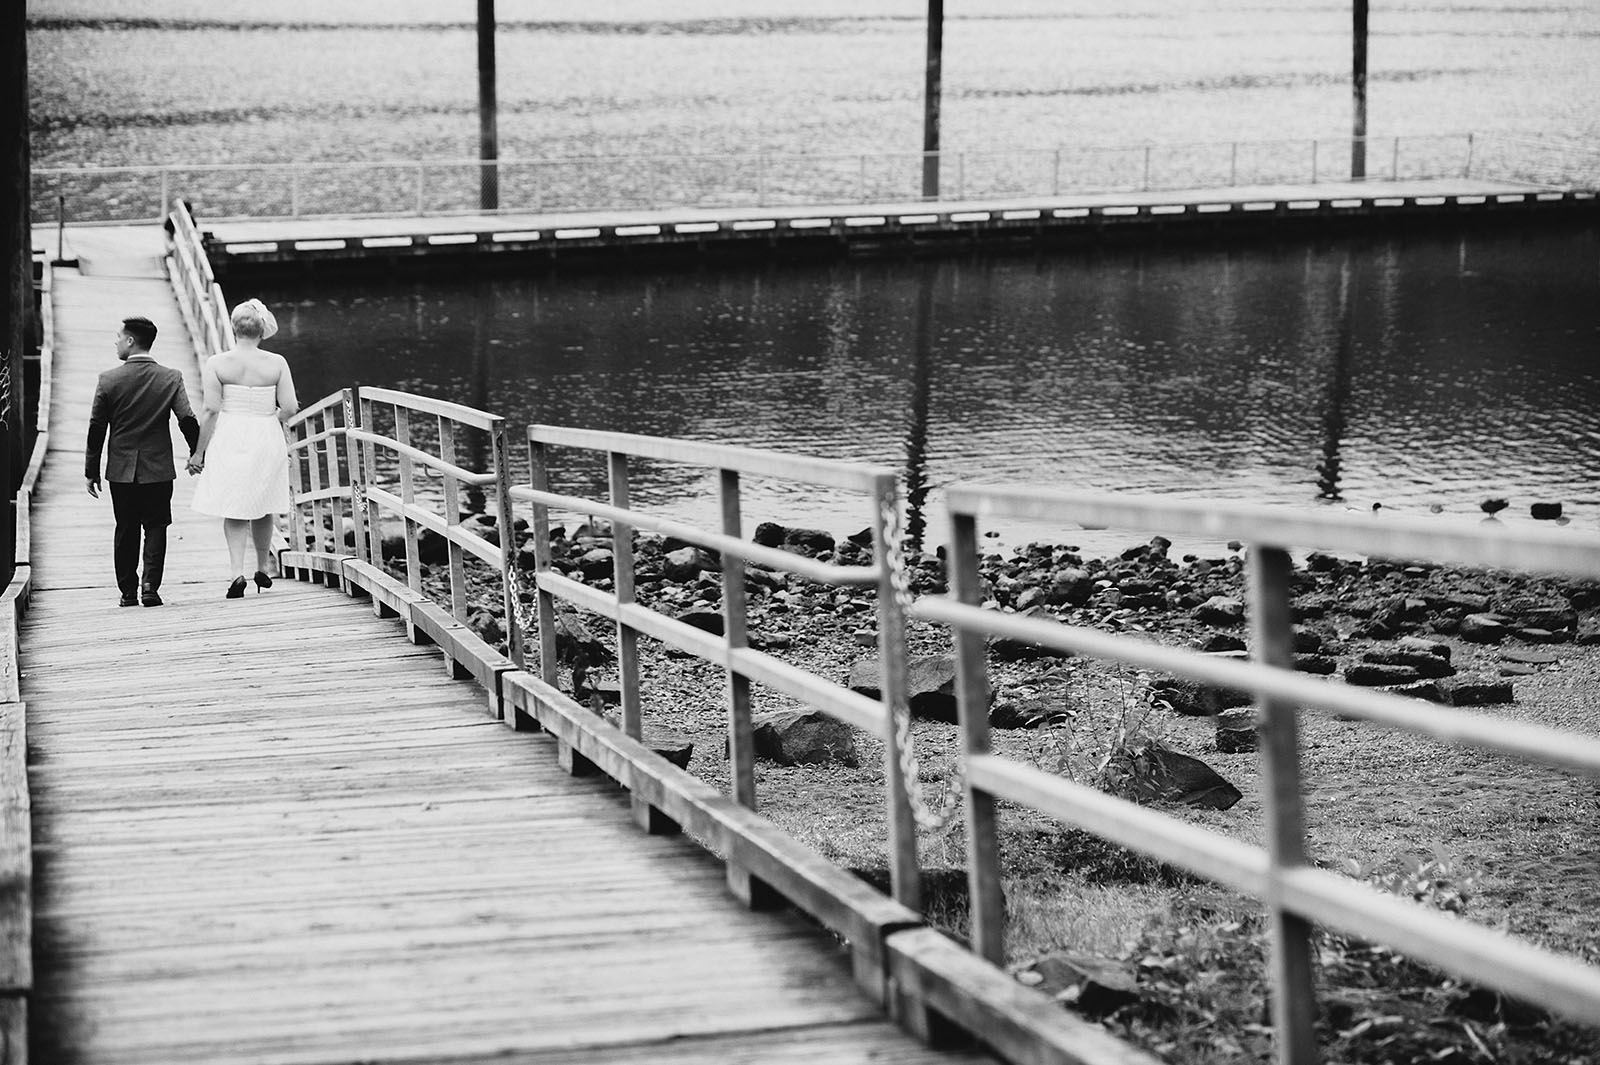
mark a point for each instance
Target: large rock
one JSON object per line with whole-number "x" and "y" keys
{"x": 1425, "y": 665}
{"x": 1026, "y": 712}
{"x": 1372, "y": 675}
{"x": 1220, "y": 610}
{"x": 597, "y": 562}
{"x": 1194, "y": 699}
{"x": 1468, "y": 690}
{"x": 812, "y": 542}
{"x": 574, "y": 638}
{"x": 686, "y": 563}
{"x": 804, "y": 737}
{"x": 930, "y": 685}
{"x": 675, "y": 747}
{"x": 1158, "y": 773}
{"x": 1422, "y": 645}
{"x": 1484, "y": 628}
{"x": 1071, "y": 585}
{"x": 1093, "y": 986}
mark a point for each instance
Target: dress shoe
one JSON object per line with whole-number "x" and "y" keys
{"x": 128, "y": 600}
{"x": 150, "y": 599}
{"x": 235, "y": 589}
{"x": 262, "y": 581}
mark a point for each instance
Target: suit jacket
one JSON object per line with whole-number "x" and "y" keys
{"x": 133, "y": 401}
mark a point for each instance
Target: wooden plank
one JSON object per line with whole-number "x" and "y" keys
{"x": 288, "y": 837}
{"x": 13, "y": 1029}
{"x": 16, "y": 854}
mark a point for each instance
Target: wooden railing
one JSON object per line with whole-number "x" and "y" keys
{"x": 1296, "y": 894}
{"x": 380, "y": 188}
{"x": 337, "y": 537}
{"x": 16, "y": 831}
{"x": 732, "y": 651}
{"x": 205, "y": 313}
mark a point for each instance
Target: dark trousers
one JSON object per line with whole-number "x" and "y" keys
{"x": 140, "y": 508}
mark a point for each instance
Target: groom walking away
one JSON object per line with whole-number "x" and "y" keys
{"x": 133, "y": 401}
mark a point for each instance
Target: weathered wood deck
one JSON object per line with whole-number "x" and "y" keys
{"x": 272, "y": 830}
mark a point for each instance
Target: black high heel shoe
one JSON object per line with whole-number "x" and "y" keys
{"x": 235, "y": 589}
{"x": 262, "y": 580}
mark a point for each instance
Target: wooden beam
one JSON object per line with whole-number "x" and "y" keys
{"x": 1358, "y": 89}
{"x": 488, "y": 111}
{"x": 931, "y": 101}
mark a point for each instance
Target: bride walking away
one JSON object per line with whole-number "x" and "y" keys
{"x": 242, "y": 457}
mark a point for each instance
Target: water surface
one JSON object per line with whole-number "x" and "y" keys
{"x": 1422, "y": 375}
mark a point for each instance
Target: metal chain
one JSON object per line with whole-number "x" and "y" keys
{"x": 526, "y": 620}
{"x": 927, "y": 818}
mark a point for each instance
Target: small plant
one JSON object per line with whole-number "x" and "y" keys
{"x": 1438, "y": 882}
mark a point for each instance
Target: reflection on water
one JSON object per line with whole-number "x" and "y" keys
{"x": 1419, "y": 375}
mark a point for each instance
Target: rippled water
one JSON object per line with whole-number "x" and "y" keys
{"x": 1418, "y": 374}
{"x": 341, "y": 79}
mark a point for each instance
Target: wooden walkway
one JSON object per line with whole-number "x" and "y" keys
{"x": 272, "y": 830}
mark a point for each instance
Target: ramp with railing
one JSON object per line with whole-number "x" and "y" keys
{"x": 409, "y": 506}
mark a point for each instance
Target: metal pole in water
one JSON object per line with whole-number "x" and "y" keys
{"x": 488, "y": 119}
{"x": 930, "y": 101}
{"x": 61, "y": 227}
{"x": 1358, "y": 86}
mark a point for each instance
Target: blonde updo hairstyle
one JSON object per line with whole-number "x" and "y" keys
{"x": 252, "y": 320}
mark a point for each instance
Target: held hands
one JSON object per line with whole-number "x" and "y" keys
{"x": 195, "y": 464}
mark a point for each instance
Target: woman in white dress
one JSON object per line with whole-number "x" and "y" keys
{"x": 242, "y": 457}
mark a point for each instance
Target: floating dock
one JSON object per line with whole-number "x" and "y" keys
{"x": 238, "y": 248}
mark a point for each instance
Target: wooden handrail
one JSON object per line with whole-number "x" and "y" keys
{"x": 880, "y": 484}
{"x": 1295, "y": 894}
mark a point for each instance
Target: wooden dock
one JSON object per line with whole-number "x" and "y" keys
{"x": 273, "y": 830}
{"x": 240, "y": 247}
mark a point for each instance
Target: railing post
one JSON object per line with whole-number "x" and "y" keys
{"x": 319, "y": 509}
{"x": 1233, "y": 164}
{"x": 408, "y": 496}
{"x": 905, "y": 874}
{"x": 505, "y": 521}
{"x": 297, "y": 487}
{"x": 861, "y": 187}
{"x": 985, "y": 899}
{"x": 961, "y": 175}
{"x": 1394, "y": 165}
{"x": 294, "y": 191}
{"x": 1272, "y": 638}
{"x": 539, "y": 475}
{"x": 452, "y": 517}
{"x": 1466, "y": 170}
{"x": 421, "y": 210}
{"x": 358, "y": 488}
{"x": 1147, "y": 168}
{"x": 622, "y": 581}
{"x": 1055, "y": 181}
{"x": 1313, "y": 160}
{"x": 166, "y": 192}
{"x": 369, "y": 477}
{"x": 741, "y": 745}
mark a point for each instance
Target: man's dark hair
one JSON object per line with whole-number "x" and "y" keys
{"x": 142, "y": 330}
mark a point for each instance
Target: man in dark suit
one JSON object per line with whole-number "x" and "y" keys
{"x": 133, "y": 402}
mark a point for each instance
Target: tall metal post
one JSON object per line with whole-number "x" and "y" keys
{"x": 1358, "y": 88}
{"x": 930, "y": 101}
{"x": 488, "y": 115}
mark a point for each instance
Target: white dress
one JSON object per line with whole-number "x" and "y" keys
{"x": 246, "y": 473}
